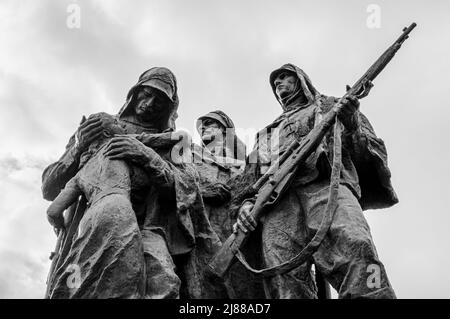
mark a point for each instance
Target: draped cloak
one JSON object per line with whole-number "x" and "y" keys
{"x": 174, "y": 209}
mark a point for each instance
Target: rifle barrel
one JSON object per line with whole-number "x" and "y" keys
{"x": 405, "y": 33}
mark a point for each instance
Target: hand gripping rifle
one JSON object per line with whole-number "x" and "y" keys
{"x": 274, "y": 183}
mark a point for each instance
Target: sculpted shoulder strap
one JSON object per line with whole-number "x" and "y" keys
{"x": 325, "y": 224}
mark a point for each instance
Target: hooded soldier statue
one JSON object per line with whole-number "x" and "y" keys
{"x": 347, "y": 257}
{"x": 152, "y": 253}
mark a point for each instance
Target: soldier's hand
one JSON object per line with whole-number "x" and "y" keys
{"x": 245, "y": 221}
{"x": 88, "y": 131}
{"x": 216, "y": 194}
{"x": 347, "y": 115}
{"x": 56, "y": 219}
{"x": 125, "y": 147}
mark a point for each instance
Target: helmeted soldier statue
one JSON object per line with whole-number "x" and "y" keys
{"x": 347, "y": 257}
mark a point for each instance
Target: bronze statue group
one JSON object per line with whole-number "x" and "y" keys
{"x": 139, "y": 223}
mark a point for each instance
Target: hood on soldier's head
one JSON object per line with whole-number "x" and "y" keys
{"x": 220, "y": 117}
{"x": 163, "y": 80}
{"x": 303, "y": 85}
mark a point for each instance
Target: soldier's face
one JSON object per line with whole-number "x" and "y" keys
{"x": 210, "y": 130}
{"x": 285, "y": 84}
{"x": 149, "y": 104}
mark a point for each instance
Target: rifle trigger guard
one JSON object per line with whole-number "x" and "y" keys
{"x": 366, "y": 87}
{"x": 273, "y": 199}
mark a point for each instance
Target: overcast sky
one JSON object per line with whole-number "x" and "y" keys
{"x": 52, "y": 72}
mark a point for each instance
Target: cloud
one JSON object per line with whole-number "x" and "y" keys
{"x": 10, "y": 165}
{"x": 25, "y": 237}
{"x": 21, "y": 275}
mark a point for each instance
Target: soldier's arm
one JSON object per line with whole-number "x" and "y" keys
{"x": 214, "y": 193}
{"x": 66, "y": 197}
{"x": 369, "y": 155}
{"x": 130, "y": 149}
{"x": 349, "y": 115}
{"x": 159, "y": 140}
{"x": 59, "y": 173}
{"x": 159, "y": 171}
{"x": 56, "y": 175}
{"x": 364, "y": 144}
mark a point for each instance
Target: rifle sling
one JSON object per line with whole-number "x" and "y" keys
{"x": 325, "y": 224}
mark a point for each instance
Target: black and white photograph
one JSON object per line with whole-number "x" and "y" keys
{"x": 223, "y": 149}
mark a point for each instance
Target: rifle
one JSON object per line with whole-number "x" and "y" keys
{"x": 274, "y": 183}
